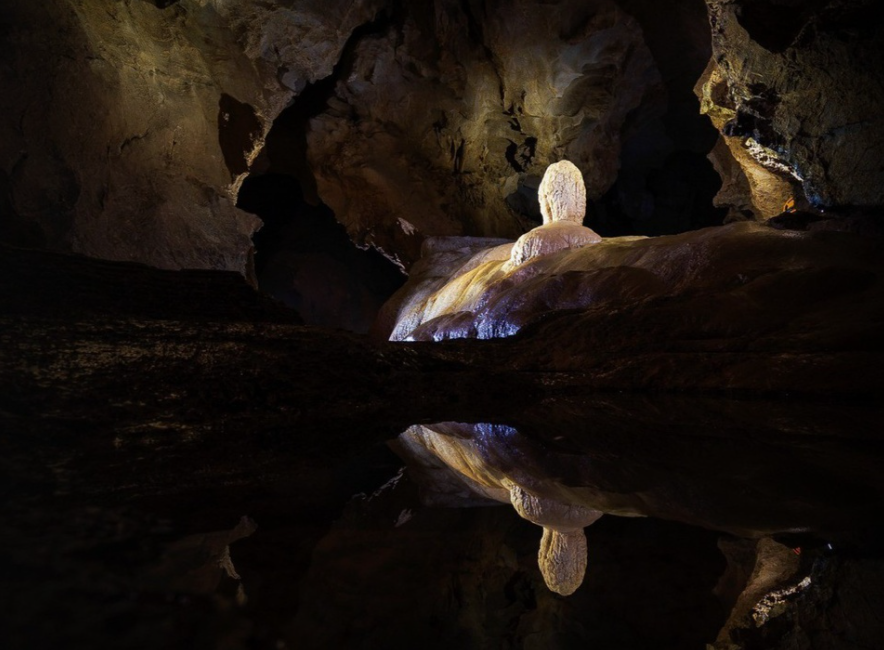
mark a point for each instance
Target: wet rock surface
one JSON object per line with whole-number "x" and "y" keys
{"x": 742, "y": 307}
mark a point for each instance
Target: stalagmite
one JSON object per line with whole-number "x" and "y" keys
{"x": 562, "y": 197}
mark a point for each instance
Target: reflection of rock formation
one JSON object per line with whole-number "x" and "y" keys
{"x": 562, "y": 555}
{"x": 746, "y": 477}
{"x": 713, "y": 464}
{"x": 198, "y": 564}
{"x": 562, "y": 197}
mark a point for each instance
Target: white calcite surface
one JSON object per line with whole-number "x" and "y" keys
{"x": 562, "y": 198}
{"x": 562, "y": 193}
{"x": 563, "y": 555}
{"x": 551, "y": 238}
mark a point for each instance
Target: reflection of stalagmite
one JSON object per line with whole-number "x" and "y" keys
{"x": 562, "y": 555}
{"x": 562, "y": 197}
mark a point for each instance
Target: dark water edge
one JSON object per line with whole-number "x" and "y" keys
{"x": 153, "y": 536}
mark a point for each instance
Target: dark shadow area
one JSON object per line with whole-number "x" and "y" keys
{"x": 13, "y": 229}
{"x": 171, "y": 482}
{"x": 672, "y": 199}
{"x": 285, "y": 151}
{"x": 304, "y": 258}
{"x": 775, "y": 24}
{"x": 238, "y": 129}
{"x": 665, "y": 185}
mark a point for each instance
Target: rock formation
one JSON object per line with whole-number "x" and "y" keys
{"x": 129, "y": 126}
{"x": 720, "y": 380}
{"x": 795, "y": 89}
{"x": 479, "y": 295}
{"x": 511, "y": 86}
{"x": 562, "y": 556}
{"x": 562, "y": 198}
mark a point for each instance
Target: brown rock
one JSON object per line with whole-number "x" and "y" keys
{"x": 132, "y": 125}
{"x": 803, "y": 82}
{"x": 749, "y": 189}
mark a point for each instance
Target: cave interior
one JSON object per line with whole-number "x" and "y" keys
{"x": 444, "y": 324}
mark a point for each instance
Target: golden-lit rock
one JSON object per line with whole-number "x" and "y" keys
{"x": 798, "y": 90}
{"x": 443, "y": 118}
{"x": 748, "y": 188}
{"x": 133, "y": 123}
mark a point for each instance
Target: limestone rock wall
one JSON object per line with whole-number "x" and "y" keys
{"x": 129, "y": 125}
{"x": 796, "y": 89}
{"x": 445, "y": 113}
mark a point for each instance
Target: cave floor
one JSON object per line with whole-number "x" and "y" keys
{"x": 180, "y": 472}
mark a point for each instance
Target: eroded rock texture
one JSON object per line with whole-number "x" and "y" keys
{"x": 740, "y": 306}
{"x": 824, "y": 596}
{"x": 447, "y": 116}
{"x": 796, "y": 89}
{"x": 562, "y": 197}
{"x": 131, "y": 124}
{"x": 562, "y": 556}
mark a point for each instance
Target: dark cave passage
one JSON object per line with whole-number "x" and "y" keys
{"x": 303, "y": 255}
{"x": 304, "y": 258}
{"x": 673, "y": 199}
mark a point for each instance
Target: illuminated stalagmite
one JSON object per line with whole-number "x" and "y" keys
{"x": 562, "y": 197}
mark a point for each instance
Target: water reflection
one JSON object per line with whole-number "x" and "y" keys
{"x": 413, "y": 563}
{"x": 563, "y": 472}
{"x": 458, "y": 448}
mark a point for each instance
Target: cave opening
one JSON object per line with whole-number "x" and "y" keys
{"x": 674, "y": 198}
{"x": 302, "y": 255}
{"x": 304, "y": 258}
